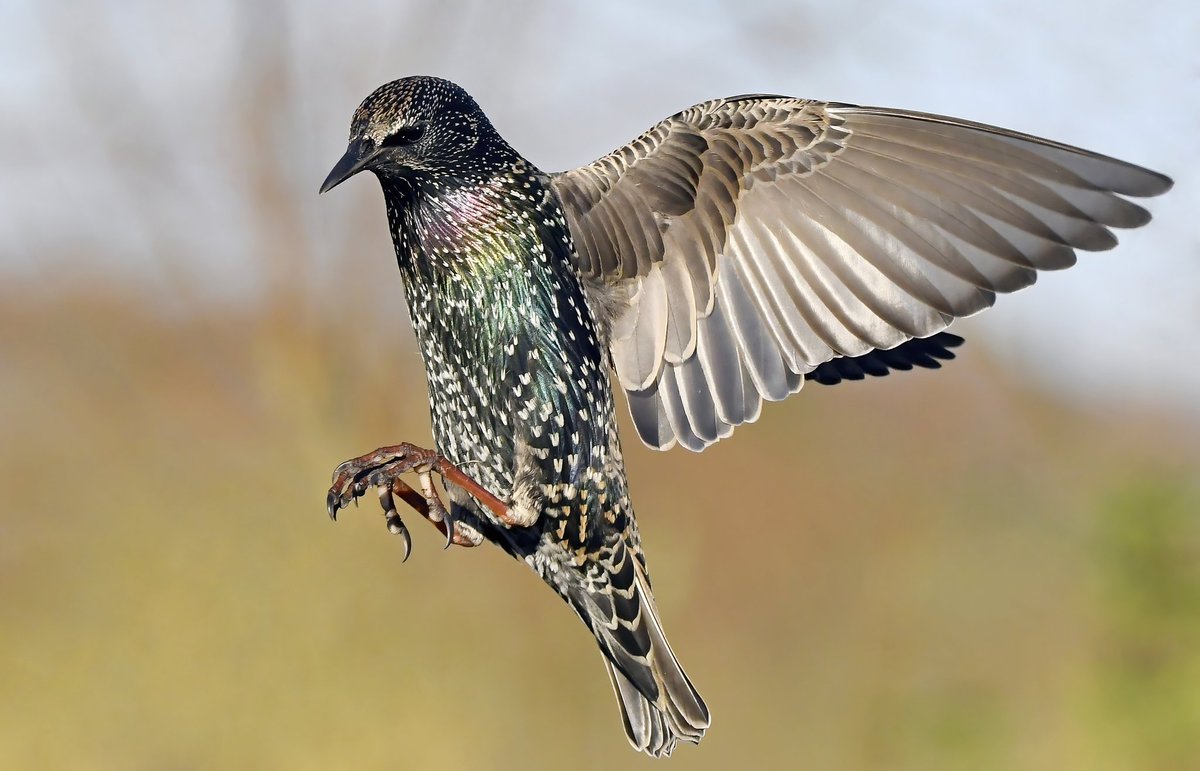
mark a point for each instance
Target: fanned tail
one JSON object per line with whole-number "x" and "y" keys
{"x": 659, "y": 704}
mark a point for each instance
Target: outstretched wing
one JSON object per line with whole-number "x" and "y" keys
{"x": 747, "y": 241}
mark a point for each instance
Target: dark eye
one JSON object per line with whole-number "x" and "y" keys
{"x": 404, "y": 136}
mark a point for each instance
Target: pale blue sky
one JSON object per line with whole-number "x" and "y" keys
{"x": 86, "y": 88}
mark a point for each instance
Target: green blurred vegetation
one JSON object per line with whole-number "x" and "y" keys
{"x": 1148, "y": 567}
{"x": 934, "y": 571}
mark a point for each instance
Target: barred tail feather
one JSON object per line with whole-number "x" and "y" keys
{"x": 659, "y": 704}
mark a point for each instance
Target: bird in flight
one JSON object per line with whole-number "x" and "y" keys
{"x": 724, "y": 257}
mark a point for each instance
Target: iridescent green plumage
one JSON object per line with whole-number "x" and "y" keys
{"x": 519, "y": 393}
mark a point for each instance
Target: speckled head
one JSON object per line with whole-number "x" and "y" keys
{"x": 420, "y": 124}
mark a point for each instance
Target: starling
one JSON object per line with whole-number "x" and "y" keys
{"x": 722, "y": 258}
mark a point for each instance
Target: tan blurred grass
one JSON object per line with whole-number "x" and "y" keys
{"x": 940, "y": 570}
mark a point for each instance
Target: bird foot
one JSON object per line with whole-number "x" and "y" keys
{"x": 383, "y": 469}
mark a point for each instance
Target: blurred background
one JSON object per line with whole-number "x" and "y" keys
{"x": 992, "y": 566}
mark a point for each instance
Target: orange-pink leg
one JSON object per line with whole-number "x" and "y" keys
{"x": 383, "y": 468}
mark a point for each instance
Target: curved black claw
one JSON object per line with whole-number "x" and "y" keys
{"x": 449, "y": 523}
{"x": 333, "y": 502}
{"x": 396, "y": 526}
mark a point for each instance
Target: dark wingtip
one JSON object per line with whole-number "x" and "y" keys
{"x": 947, "y": 339}
{"x": 920, "y": 352}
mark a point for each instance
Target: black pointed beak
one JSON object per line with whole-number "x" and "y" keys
{"x": 357, "y": 156}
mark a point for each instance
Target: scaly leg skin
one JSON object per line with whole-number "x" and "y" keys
{"x": 383, "y": 469}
